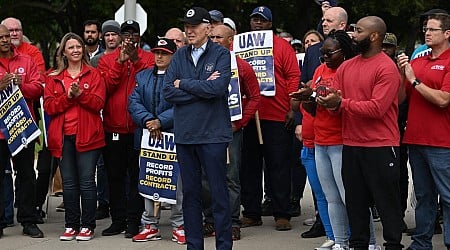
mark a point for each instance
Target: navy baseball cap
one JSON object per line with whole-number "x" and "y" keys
{"x": 263, "y": 11}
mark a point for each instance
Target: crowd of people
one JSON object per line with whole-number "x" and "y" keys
{"x": 348, "y": 113}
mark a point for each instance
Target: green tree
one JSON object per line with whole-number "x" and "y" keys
{"x": 46, "y": 21}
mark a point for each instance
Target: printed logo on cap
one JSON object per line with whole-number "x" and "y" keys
{"x": 162, "y": 42}
{"x": 130, "y": 22}
{"x": 190, "y": 13}
{"x": 261, "y": 9}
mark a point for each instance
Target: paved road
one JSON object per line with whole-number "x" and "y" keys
{"x": 257, "y": 238}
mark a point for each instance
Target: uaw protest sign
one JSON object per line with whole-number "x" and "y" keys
{"x": 158, "y": 168}
{"x": 16, "y": 123}
{"x": 256, "y": 47}
{"x": 234, "y": 91}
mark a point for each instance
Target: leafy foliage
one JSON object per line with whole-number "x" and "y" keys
{"x": 46, "y": 21}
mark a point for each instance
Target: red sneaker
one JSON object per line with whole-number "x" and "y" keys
{"x": 147, "y": 234}
{"x": 178, "y": 235}
{"x": 68, "y": 235}
{"x": 85, "y": 234}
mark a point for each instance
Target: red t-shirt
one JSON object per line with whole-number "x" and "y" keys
{"x": 71, "y": 114}
{"x": 327, "y": 126}
{"x": 287, "y": 78}
{"x": 369, "y": 107}
{"x": 429, "y": 124}
{"x": 307, "y": 128}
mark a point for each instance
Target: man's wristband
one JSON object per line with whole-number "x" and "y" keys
{"x": 416, "y": 82}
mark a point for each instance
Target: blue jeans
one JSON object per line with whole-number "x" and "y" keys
{"x": 431, "y": 176}
{"x": 329, "y": 167}
{"x": 102, "y": 183}
{"x": 308, "y": 160}
{"x": 78, "y": 179}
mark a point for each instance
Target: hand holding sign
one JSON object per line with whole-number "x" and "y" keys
{"x": 154, "y": 127}
{"x": 6, "y": 80}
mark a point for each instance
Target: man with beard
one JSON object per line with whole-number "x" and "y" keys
{"x": 91, "y": 37}
{"x": 366, "y": 93}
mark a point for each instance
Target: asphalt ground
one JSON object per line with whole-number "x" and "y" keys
{"x": 263, "y": 237}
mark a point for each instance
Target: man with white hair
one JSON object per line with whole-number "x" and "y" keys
{"x": 17, "y": 39}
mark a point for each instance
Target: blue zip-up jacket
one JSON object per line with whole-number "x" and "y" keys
{"x": 201, "y": 114}
{"x": 147, "y": 102}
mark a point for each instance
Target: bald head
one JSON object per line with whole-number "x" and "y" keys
{"x": 222, "y": 35}
{"x": 5, "y": 42}
{"x": 374, "y": 24}
{"x": 224, "y": 29}
{"x": 334, "y": 18}
{"x": 177, "y": 36}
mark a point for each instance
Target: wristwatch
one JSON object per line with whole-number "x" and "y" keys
{"x": 416, "y": 82}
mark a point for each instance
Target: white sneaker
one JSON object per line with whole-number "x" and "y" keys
{"x": 326, "y": 245}
{"x": 374, "y": 247}
{"x": 339, "y": 247}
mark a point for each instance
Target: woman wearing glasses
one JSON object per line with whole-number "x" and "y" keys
{"x": 328, "y": 132}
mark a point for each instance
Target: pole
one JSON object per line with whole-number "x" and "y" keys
{"x": 258, "y": 128}
{"x": 130, "y": 9}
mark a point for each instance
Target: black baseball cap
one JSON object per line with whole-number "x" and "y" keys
{"x": 197, "y": 15}
{"x": 130, "y": 24}
{"x": 166, "y": 45}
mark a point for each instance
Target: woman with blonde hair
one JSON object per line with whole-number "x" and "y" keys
{"x": 74, "y": 94}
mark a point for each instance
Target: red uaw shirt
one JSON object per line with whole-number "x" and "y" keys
{"x": 307, "y": 128}
{"x": 327, "y": 126}
{"x": 429, "y": 124}
{"x": 287, "y": 78}
{"x": 31, "y": 86}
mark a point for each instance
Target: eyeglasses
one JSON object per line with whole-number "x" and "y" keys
{"x": 129, "y": 35}
{"x": 214, "y": 37}
{"x": 425, "y": 29}
{"x": 15, "y": 30}
{"x": 329, "y": 53}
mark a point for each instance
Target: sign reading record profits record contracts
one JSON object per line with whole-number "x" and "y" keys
{"x": 16, "y": 123}
{"x": 256, "y": 47}
{"x": 158, "y": 168}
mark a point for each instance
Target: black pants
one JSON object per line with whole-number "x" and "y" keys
{"x": 46, "y": 166}
{"x": 275, "y": 152}
{"x": 121, "y": 162}
{"x": 23, "y": 165}
{"x": 371, "y": 175}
